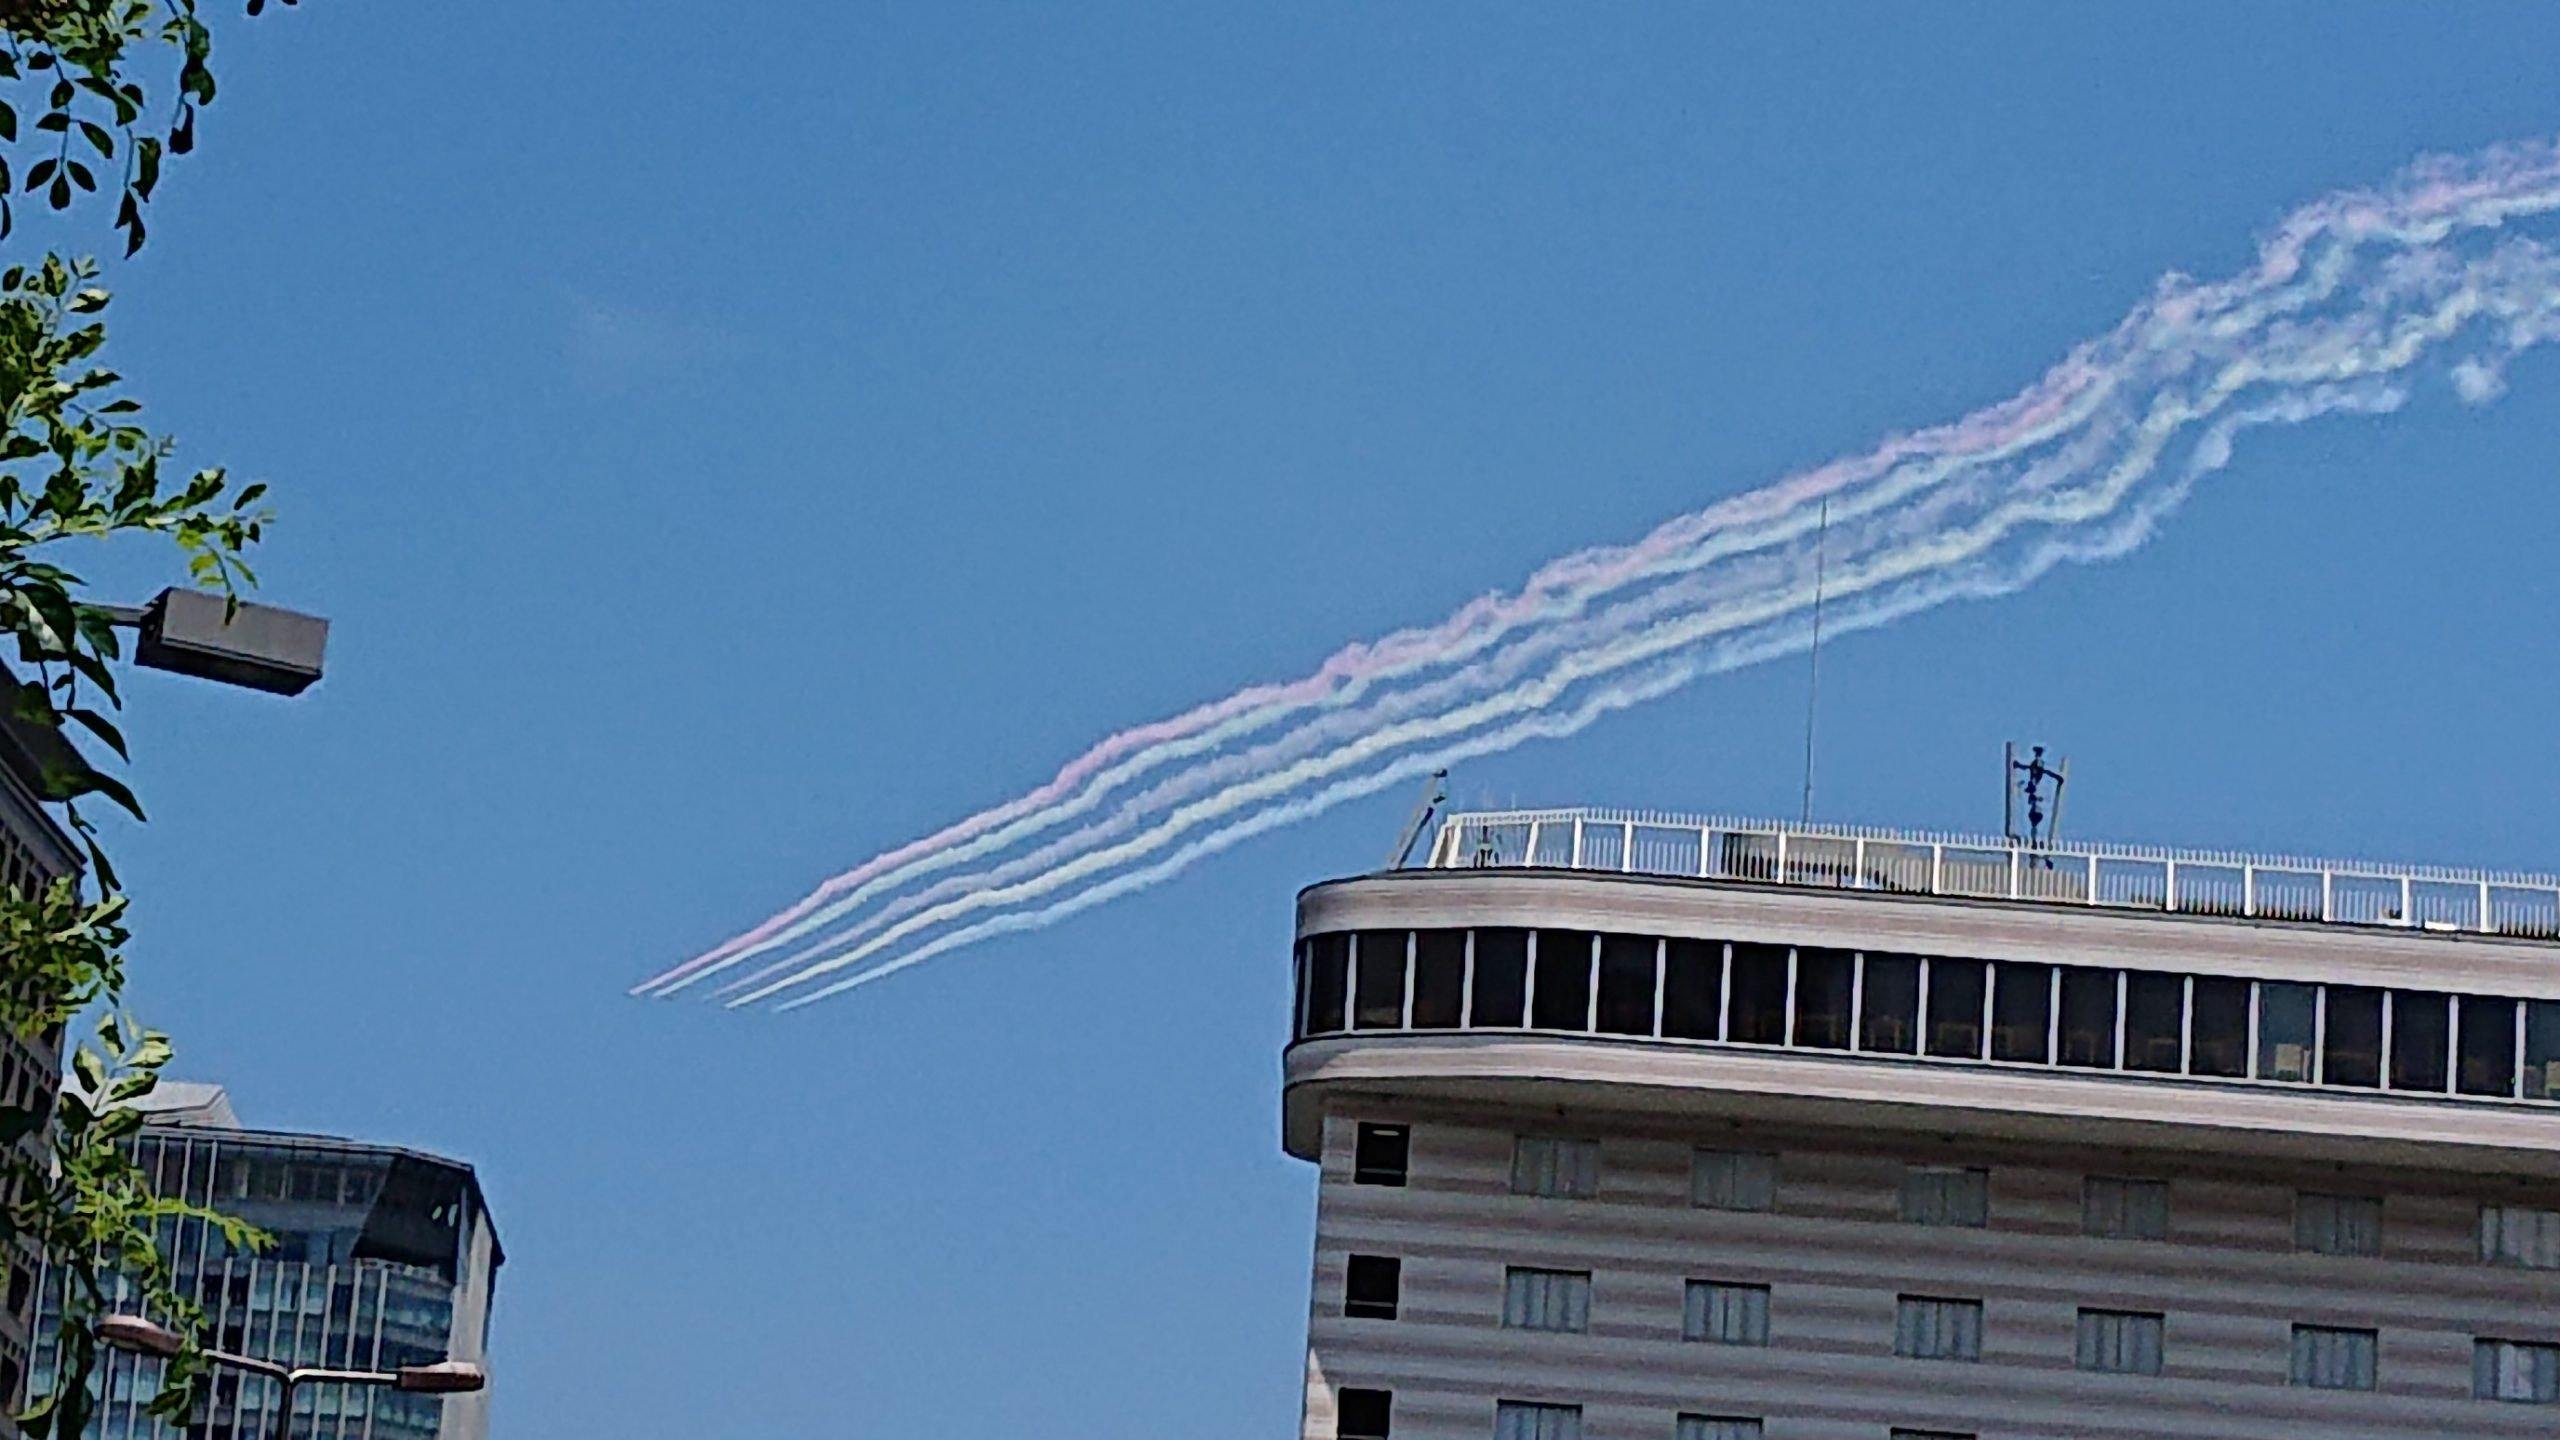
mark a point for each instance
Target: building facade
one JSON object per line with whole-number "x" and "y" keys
{"x": 384, "y": 1257}
{"x": 1631, "y": 1126}
{"x": 34, "y": 852}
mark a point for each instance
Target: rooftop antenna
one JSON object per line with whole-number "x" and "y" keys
{"x": 2031, "y": 779}
{"x": 1433, "y": 796}
{"x": 1813, "y": 666}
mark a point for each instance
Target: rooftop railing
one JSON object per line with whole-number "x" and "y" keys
{"x": 2125, "y": 877}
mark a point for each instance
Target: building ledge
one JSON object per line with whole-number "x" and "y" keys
{"x": 1649, "y": 1080}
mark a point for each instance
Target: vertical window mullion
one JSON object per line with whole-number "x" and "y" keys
{"x": 2320, "y": 1036}
{"x": 2053, "y": 1016}
{"x": 1591, "y": 987}
{"x": 1661, "y": 978}
{"x": 1990, "y": 988}
{"x": 2186, "y": 1024}
{"x": 1787, "y": 1029}
{"x": 2515, "y": 1081}
{"x": 1724, "y": 994}
{"x": 1412, "y": 958}
{"x": 1529, "y": 984}
{"x": 2390, "y": 1012}
{"x": 1467, "y": 984}
{"x": 2124, "y": 993}
{"x": 1857, "y": 1000}
{"x": 2254, "y": 1040}
{"x": 2453, "y": 1045}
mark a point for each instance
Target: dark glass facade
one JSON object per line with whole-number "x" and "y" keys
{"x": 383, "y": 1258}
{"x": 2004, "y": 1012}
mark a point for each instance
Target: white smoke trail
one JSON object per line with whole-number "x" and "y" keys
{"x": 1922, "y": 531}
{"x": 2082, "y": 386}
{"x": 1559, "y": 725}
{"x": 2063, "y": 398}
{"x": 2515, "y": 281}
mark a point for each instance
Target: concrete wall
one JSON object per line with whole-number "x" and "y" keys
{"x": 1836, "y": 1255}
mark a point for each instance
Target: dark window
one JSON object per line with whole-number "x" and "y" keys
{"x": 1562, "y": 997}
{"x": 2488, "y": 1059}
{"x": 2122, "y": 1209}
{"x": 1362, "y": 1414}
{"x": 2327, "y": 1359}
{"x": 2337, "y": 1224}
{"x": 1692, "y": 988}
{"x": 1371, "y": 1286}
{"x": 1379, "y": 1154}
{"x": 2021, "y": 1012}
{"x": 2153, "y": 1006}
{"x": 1328, "y": 981}
{"x": 2421, "y": 1040}
{"x": 2118, "y": 1342}
{"x": 1626, "y": 984}
{"x": 1759, "y": 995}
{"x": 1955, "y": 1007}
{"x": 1822, "y": 998}
{"x": 1439, "y": 978}
{"x": 1889, "y": 1005}
{"x": 2218, "y": 1039}
{"x": 2352, "y": 1051}
{"x": 1502, "y": 979}
{"x": 1377, "y": 992}
{"x": 2088, "y": 1017}
{"x": 2288, "y": 1017}
{"x": 2542, "y": 1049}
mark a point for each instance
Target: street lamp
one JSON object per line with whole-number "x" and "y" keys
{"x": 444, "y": 1377}
{"x": 213, "y": 637}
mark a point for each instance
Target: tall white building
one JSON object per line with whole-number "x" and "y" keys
{"x": 1642, "y": 1128}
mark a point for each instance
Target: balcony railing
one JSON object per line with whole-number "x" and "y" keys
{"x": 2125, "y": 877}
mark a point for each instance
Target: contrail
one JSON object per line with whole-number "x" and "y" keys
{"x": 1551, "y": 725}
{"x": 2347, "y": 295}
{"x": 2060, "y": 400}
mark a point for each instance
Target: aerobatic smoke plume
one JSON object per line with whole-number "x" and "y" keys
{"x": 2352, "y": 300}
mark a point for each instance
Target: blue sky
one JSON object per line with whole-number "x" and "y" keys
{"x": 727, "y": 450}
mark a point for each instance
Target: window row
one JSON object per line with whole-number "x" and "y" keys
{"x": 2111, "y": 1206}
{"x": 2429, "y": 1042}
{"x": 2322, "y": 1358}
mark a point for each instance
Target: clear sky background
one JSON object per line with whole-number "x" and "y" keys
{"x": 733, "y": 441}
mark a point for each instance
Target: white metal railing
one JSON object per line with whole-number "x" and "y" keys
{"x": 1848, "y": 857}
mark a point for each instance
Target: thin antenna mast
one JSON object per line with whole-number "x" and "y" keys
{"x": 1813, "y": 667}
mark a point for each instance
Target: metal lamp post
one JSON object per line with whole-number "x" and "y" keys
{"x": 139, "y": 1336}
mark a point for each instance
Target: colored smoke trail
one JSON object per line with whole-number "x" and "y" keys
{"x": 2350, "y": 295}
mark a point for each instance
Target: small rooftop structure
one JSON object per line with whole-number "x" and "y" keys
{"x": 2084, "y": 873}
{"x": 189, "y": 1103}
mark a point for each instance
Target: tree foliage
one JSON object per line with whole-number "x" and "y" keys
{"x": 93, "y": 93}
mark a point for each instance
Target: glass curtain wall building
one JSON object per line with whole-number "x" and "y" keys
{"x": 384, "y": 1257}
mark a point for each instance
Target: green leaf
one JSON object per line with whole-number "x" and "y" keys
{"x": 91, "y": 1070}
{"x": 98, "y": 725}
